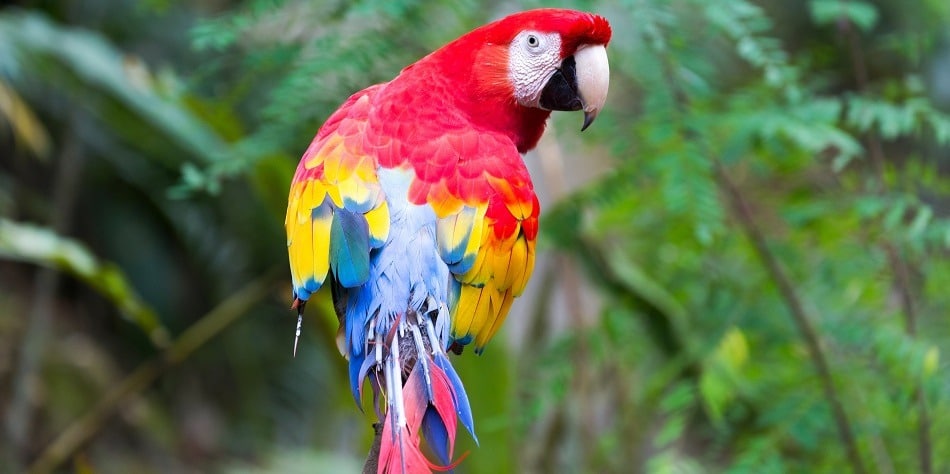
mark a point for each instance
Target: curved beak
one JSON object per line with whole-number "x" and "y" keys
{"x": 580, "y": 83}
{"x": 593, "y": 79}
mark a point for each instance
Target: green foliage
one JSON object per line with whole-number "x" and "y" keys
{"x": 27, "y": 130}
{"x": 831, "y": 12}
{"x": 298, "y": 461}
{"x": 722, "y": 374}
{"x": 43, "y": 247}
{"x": 914, "y": 116}
{"x": 801, "y": 155}
{"x": 678, "y": 352}
{"x": 84, "y": 66}
{"x": 311, "y": 57}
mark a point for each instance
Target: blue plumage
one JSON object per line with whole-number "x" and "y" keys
{"x": 462, "y": 407}
{"x": 349, "y": 241}
{"x": 394, "y": 297}
{"x": 436, "y": 435}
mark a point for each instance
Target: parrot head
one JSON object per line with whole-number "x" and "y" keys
{"x": 512, "y": 73}
{"x": 559, "y": 63}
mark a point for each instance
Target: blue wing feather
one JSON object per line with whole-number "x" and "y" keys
{"x": 349, "y": 248}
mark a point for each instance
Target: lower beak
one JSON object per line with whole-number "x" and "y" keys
{"x": 580, "y": 83}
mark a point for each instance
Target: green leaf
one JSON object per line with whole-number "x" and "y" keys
{"x": 719, "y": 381}
{"x": 931, "y": 361}
{"x": 42, "y": 246}
{"x": 116, "y": 87}
{"x": 919, "y": 224}
{"x": 639, "y": 282}
{"x": 27, "y": 129}
{"x": 671, "y": 430}
{"x": 830, "y": 12}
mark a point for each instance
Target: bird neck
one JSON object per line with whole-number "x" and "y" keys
{"x": 475, "y": 78}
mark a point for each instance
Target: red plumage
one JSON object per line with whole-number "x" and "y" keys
{"x": 414, "y": 202}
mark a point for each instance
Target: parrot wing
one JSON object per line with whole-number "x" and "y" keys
{"x": 337, "y": 211}
{"x": 487, "y": 222}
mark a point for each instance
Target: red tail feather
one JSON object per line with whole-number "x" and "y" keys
{"x": 444, "y": 402}
{"x": 400, "y": 447}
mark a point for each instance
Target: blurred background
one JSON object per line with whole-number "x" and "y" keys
{"x": 745, "y": 260}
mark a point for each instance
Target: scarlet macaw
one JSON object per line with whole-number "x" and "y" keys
{"x": 414, "y": 204}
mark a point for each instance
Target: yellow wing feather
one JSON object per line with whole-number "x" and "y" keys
{"x": 348, "y": 177}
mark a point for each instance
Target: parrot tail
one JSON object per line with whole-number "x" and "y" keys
{"x": 422, "y": 392}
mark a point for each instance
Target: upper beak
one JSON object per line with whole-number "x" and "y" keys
{"x": 580, "y": 84}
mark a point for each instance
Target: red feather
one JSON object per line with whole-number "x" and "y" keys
{"x": 450, "y": 121}
{"x": 400, "y": 448}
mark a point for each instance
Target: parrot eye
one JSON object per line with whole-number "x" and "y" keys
{"x": 535, "y": 43}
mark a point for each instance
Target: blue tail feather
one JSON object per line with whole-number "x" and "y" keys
{"x": 435, "y": 433}
{"x": 356, "y": 379}
{"x": 461, "y": 398}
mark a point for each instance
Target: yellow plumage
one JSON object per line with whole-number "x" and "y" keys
{"x": 500, "y": 272}
{"x": 340, "y": 174}
{"x": 344, "y": 177}
{"x": 378, "y": 221}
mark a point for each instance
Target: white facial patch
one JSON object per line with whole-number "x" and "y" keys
{"x": 533, "y": 57}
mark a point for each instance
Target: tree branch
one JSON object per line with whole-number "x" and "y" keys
{"x": 742, "y": 212}
{"x": 20, "y": 409}
{"x": 372, "y": 458}
{"x": 212, "y": 323}
{"x": 793, "y": 303}
{"x": 896, "y": 261}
